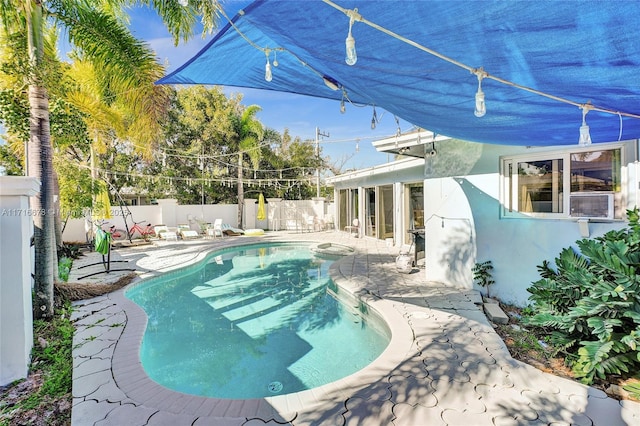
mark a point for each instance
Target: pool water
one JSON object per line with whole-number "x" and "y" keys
{"x": 253, "y": 321}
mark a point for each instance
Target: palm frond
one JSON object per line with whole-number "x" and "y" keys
{"x": 11, "y": 15}
{"x": 180, "y": 20}
{"x": 109, "y": 45}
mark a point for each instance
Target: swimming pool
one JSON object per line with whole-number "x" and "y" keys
{"x": 254, "y": 321}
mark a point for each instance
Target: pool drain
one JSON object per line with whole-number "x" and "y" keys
{"x": 275, "y": 387}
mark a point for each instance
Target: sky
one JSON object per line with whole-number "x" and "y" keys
{"x": 349, "y": 144}
{"x": 349, "y": 141}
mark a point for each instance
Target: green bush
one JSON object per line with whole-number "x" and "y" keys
{"x": 64, "y": 268}
{"x": 51, "y": 359}
{"x": 56, "y": 355}
{"x": 482, "y": 274}
{"x": 591, "y": 303}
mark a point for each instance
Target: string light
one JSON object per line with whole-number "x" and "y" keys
{"x": 184, "y": 3}
{"x": 350, "y": 42}
{"x": 171, "y": 180}
{"x": 267, "y": 68}
{"x": 585, "y": 136}
{"x": 481, "y": 107}
{"x": 374, "y": 119}
{"x": 432, "y": 152}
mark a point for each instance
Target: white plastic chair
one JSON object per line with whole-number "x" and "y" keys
{"x": 310, "y": 223}
{"x": 353, "y": 228}
{"x": 216, "y": 231}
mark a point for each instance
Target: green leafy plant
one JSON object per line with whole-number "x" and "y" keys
{"x": 71, "y": 251}
{"x": 51, "y": 359}
{"x": 591, "y": 303}
{"x": 64, "y": 268}
{"x": 482, "y": 274}
{"x": 633, "y": 389}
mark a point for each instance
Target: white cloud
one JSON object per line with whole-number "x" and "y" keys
{"x": 176, "y": 56}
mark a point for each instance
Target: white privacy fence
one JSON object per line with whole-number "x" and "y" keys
{"x": 281, "y": 215}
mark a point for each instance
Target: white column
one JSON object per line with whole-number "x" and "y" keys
{"x": 318, "y": 212}
{"x": 16, "y": 315}
{"x": 274, "y": 214}
{"x": 168, "y": 208}
{"x": 250, "y": 212}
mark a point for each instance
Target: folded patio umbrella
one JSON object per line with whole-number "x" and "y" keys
{"x": 262, "y": 213}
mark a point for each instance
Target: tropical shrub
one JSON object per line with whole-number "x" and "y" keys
{"x": 591, "y": 303}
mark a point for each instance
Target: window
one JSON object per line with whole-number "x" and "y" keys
{"x": 580, "y": 183}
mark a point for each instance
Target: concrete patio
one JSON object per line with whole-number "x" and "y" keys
{"x": 445, "y": 364}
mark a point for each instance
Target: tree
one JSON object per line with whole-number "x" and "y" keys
{"x": 301, "y": 162}
{"x": 95, "y": 31}
{"x": 193, "y": 154}
{"x": 249, "y": 134}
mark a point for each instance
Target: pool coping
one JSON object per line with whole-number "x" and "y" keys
{"x": 131, "y": 378}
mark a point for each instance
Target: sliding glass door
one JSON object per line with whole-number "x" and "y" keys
{"x": 385, "y": 212}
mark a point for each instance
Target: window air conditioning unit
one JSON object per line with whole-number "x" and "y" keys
{"x": 594, "y": 204}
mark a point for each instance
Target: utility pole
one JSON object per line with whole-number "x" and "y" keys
{"x": 318, "y": 134}
{"x": 202, "y": 182}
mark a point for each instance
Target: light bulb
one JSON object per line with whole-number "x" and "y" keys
{"x": 373, "y": 123}
{"x": 342, "y": 107}
{"x": 275, "y": 59}
{"x": 585, "y": 136}
{"x": 350, "y": 44}
{"x": 183, "y": 2}
{"x": 481, "y": 108}
{"x": 267, "y": 71}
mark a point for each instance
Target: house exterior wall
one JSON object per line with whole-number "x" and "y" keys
{"x": 463, "y": 221}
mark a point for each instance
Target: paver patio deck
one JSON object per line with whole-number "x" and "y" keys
{"x": 445, "y": 364}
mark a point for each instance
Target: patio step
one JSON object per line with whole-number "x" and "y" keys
{"x": 495, "y": 314}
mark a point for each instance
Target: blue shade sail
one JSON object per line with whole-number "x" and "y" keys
{"x": 580, "y": 51}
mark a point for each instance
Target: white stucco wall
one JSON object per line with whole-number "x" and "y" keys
{"x": 281, "y": 214}
{"x": 465, "y": 227}
{"x": 463, "y": 222}
{"x": 16, "y": 319}
{"x": 468, "y": 205}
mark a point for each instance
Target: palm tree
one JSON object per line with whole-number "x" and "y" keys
{"x": 103, "y": 39}
{"x": 249, "y": 135}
